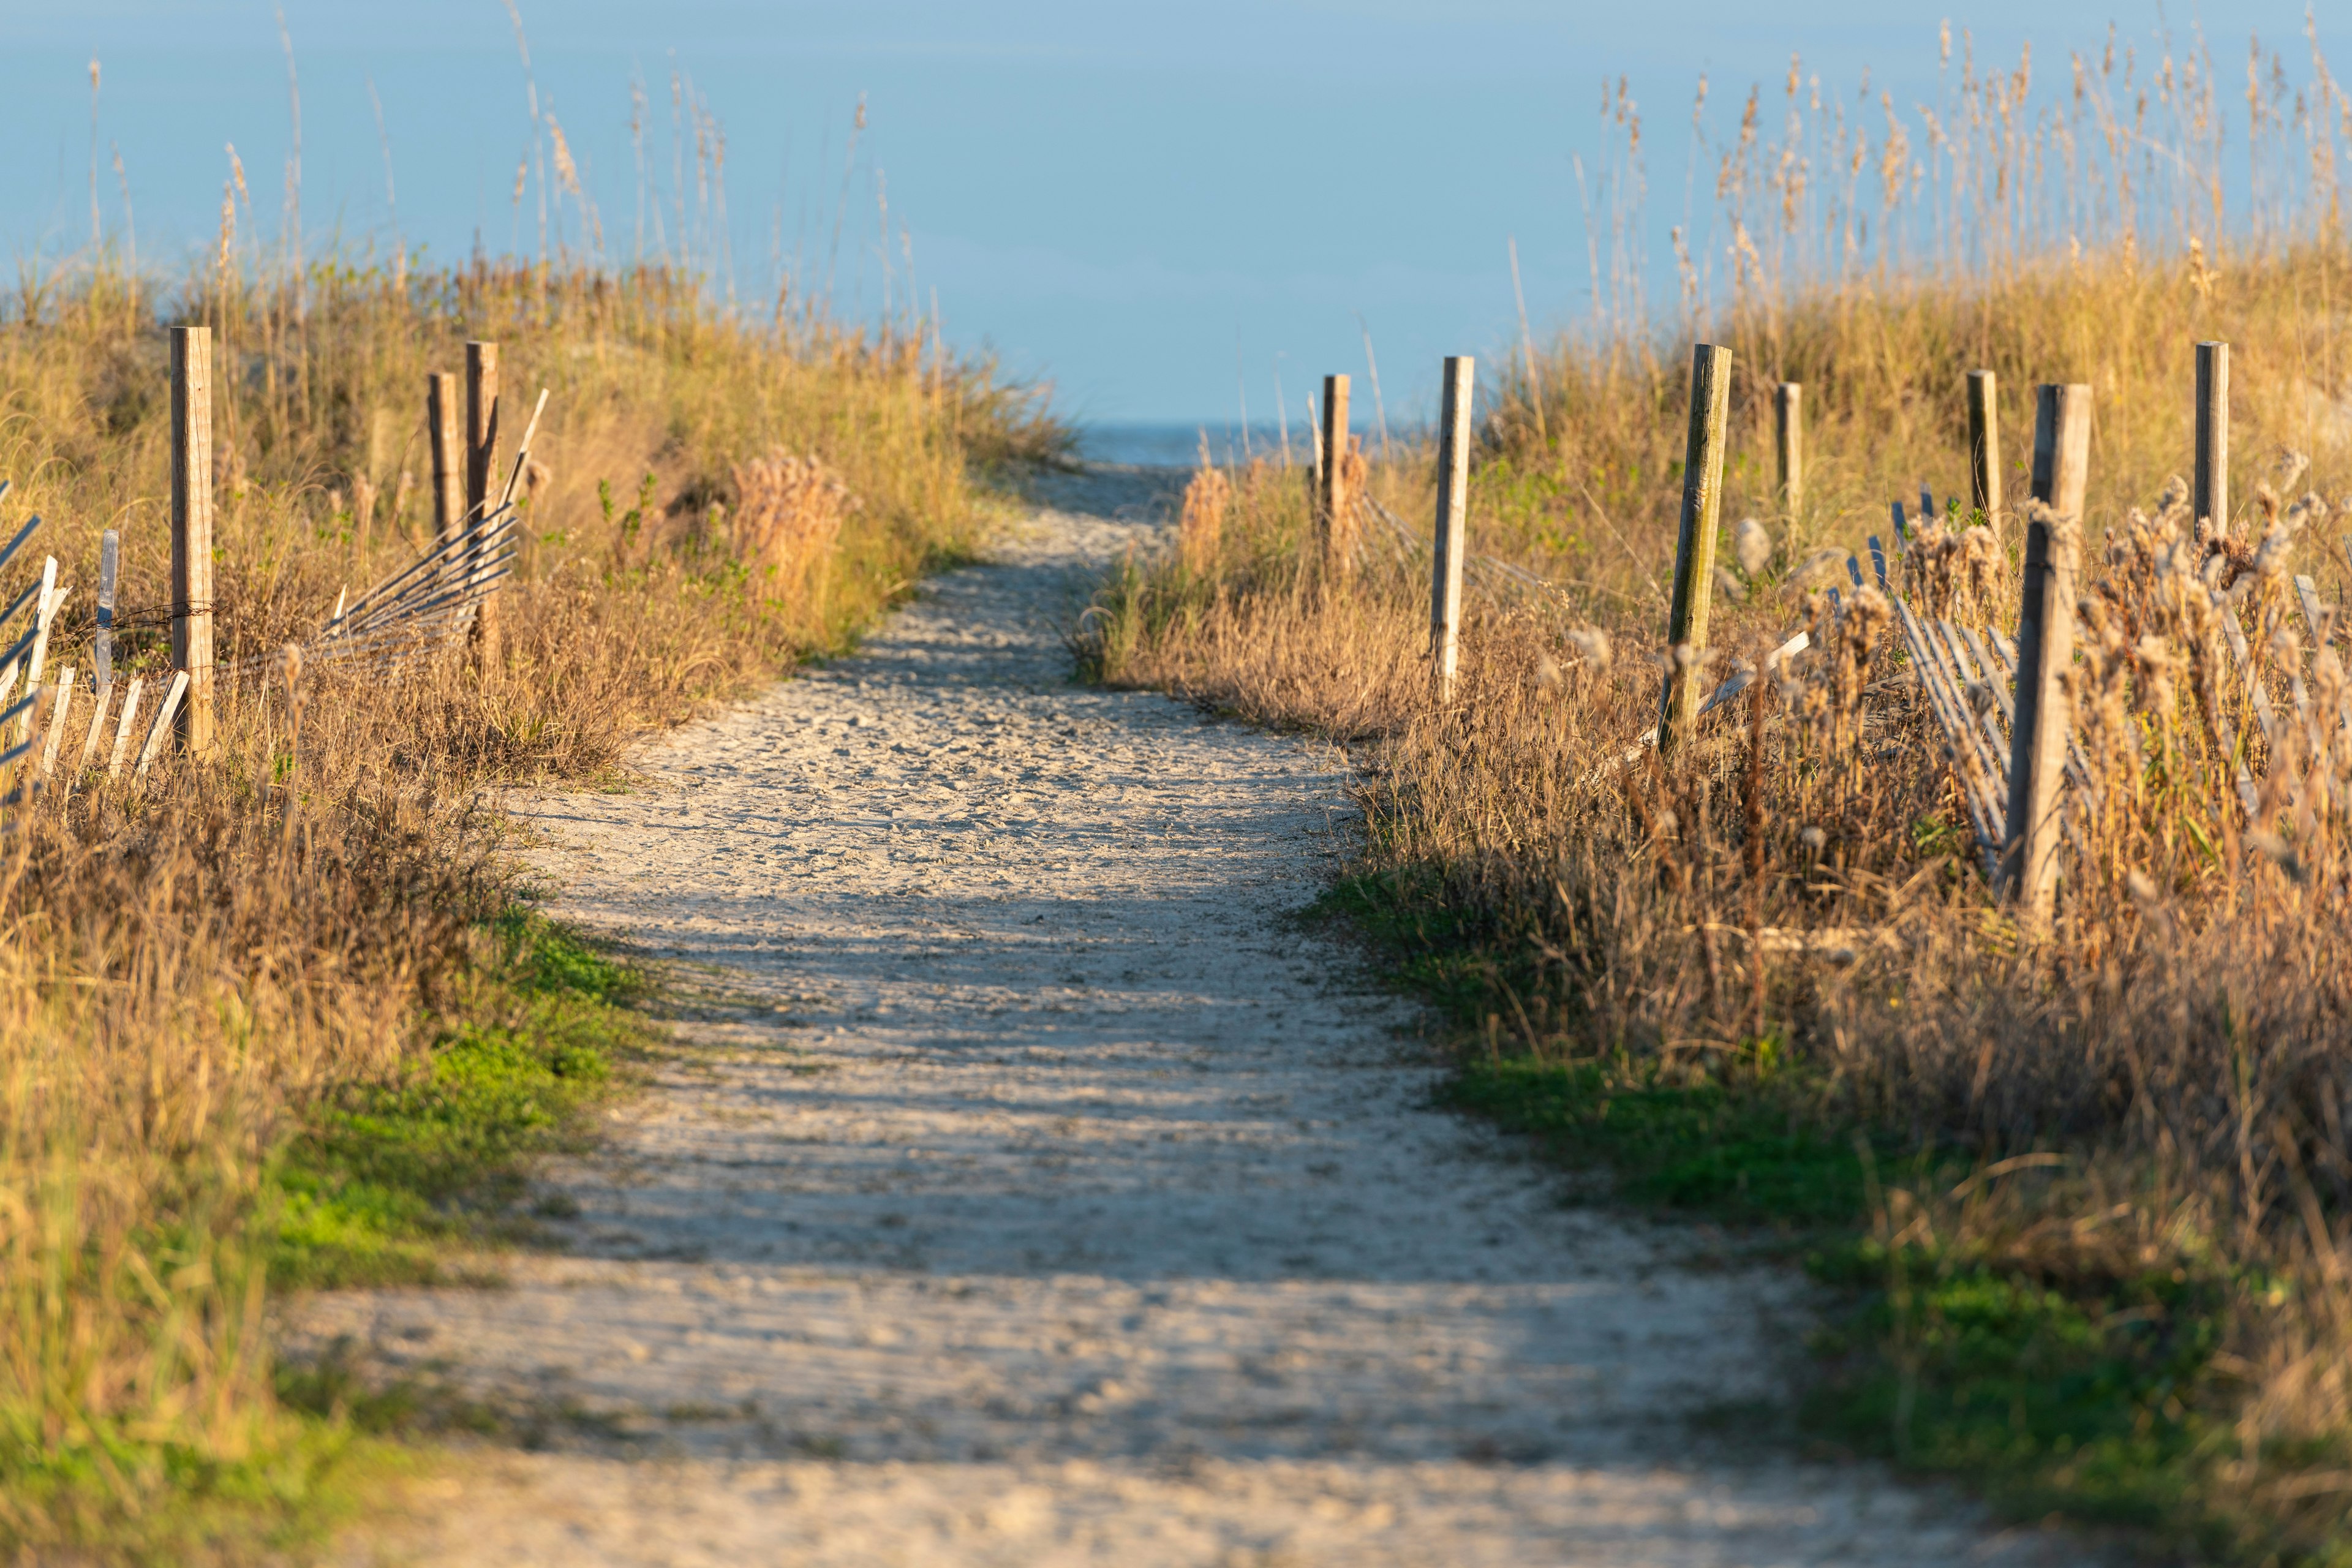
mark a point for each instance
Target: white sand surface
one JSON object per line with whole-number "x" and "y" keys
{"x": 1033, "y": 1187}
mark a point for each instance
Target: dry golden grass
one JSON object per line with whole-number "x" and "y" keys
{"x": 1795, "y": 910}
{"x": 188, "y": 961}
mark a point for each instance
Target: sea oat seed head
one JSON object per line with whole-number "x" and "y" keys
{"x": 1752, "y": 543}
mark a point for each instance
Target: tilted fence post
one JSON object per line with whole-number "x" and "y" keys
{"x": 2210, "y": 499}
{"x": 1984, "y": 445}
{"x": 482, "y": 477}
{"x": 2045, "y": 647}
{"x": 1453, "y": 521}
{"x": 1331, "y": 487}
{"x": 448, "y": 453}
{"x": 1710, "y": 407}
{"x": 192, "y": 529}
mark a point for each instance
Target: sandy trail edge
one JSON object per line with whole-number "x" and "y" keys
{"x": 1035, "y": 1190}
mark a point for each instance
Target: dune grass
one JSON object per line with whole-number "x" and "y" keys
{"x": 2087, "y": 1194}
{"x": 275, "y": 1017}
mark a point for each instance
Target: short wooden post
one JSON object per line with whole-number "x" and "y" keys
{"x": 110, "y": 562}
{"x": 192, "y": 529}
{"x": 1453, "y": 521}
{"x": 448, "y": 453}
{"x": 482, "y": 475}
{"x": 2045, "y": 647}
{"x": 1331, "y": 496}
{"x": 2062, "y": 449}
{"x": 1787, "y": 419}
{"x": 1984, "y": 445}
{"x": 2209, "y": 500}
{"x": 1710, "y": 407}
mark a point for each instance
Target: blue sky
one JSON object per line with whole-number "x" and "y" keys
{"x": 1162, "y": 209}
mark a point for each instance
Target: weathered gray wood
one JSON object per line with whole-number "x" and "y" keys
{"x": 1710, "y": 407}
{"x": 110, "y": 561}
{"x": 481, "y": 472}
{"x": 192, "y": 527}
{"x": 1984, "y": 444}
{"x": 60, "y": 705}
{"x": 1331, "y": 480}
{"x": 2209, "y": 497}
{"x": 97, "y": 724}
{"x": 2045, "y": 647}
{"x": 162, "y": 724}
{"x": 1788, "y": 430}
{"x": 448, "y": 452}
{"x": 1453, "y": 521}
{"x": 44, "y": 611}
{"x": 122, "y": 726}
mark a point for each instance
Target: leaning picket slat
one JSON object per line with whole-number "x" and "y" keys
{"x": 160, "y": 730}
{"x": 1976, "y": 791}
{"x": 2234, "y": 636}
{"x": 62, "y": 705}
{"x": 122, "y": 726}
{"x": 96, "y": 723}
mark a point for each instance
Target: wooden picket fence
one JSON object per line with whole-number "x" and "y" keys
{"x": 446, "y": 593}
{"x": 1998, "y": 700}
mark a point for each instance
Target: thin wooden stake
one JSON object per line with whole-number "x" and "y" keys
{"x": 97, "y": 724}
{"x": 481, "y": 469}
{"x": 2045, "y": 649}
{"x": 1710, "y": 407}
{"x": 1984, "y": 445}
{"x": 448, "y": 452}
{"x": 1787, "y": 419}
{"x": 192, "y": 527}
{"x": 109, "y": 559}
{"x": 122, "y": 726}
{"x": 2209, "y": 497}
{"x": 162, "y": 724}
{"x": 60, "y": 706}
{"x": 1331, "y": 498}
{"x": 1453, "y": 521}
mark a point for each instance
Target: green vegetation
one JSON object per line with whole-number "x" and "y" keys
{"x": 383, "y": 1179}
{"x": 2052, "y": 1389}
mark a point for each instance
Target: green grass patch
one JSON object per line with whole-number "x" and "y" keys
{"x": 382, "y": 1179}
{"x": 2089, "y": 1398}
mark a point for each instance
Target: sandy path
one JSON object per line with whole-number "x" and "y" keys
{"x": 1037, "y": 1192}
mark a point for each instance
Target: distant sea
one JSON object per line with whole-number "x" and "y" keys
{"x": 1179, "y": 445}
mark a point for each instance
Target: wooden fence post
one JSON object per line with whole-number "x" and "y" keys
{"x": 1710, "y": 407}
{"x": 192, "y": 529}
{"x": 1331, "y": 496}
{"x": 1452, "y": 520}
{"x": 2045, "y": 647}
{"x": 1787, "y": 411}
{"x": 482, "y": 476}
{"x": 1984, "y": 445}
{"x": 2209, "y": 501}
{"x": 448, "y": 458}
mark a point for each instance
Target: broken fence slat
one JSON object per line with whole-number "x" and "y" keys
{"x": 161, "y": 728}
{"x": 62, "y": 706}
{"x": 96, "y": 723}
{"x": 122, "y": 726}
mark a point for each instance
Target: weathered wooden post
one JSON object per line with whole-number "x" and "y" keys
{"x": 192, "y": 529}
{"x": 1710, "y": 407}
{"x": 1332, "y": 483}
{"x": 1787, "y": 419}
{"x": 482, "y": 477}
{"x": 2045, "y": 647}
{"x": 1984, "y": 445}
{"x": 448, "y": 453}
{"x": 1453, "y": 521}
{"x": 2210, "y": 499}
